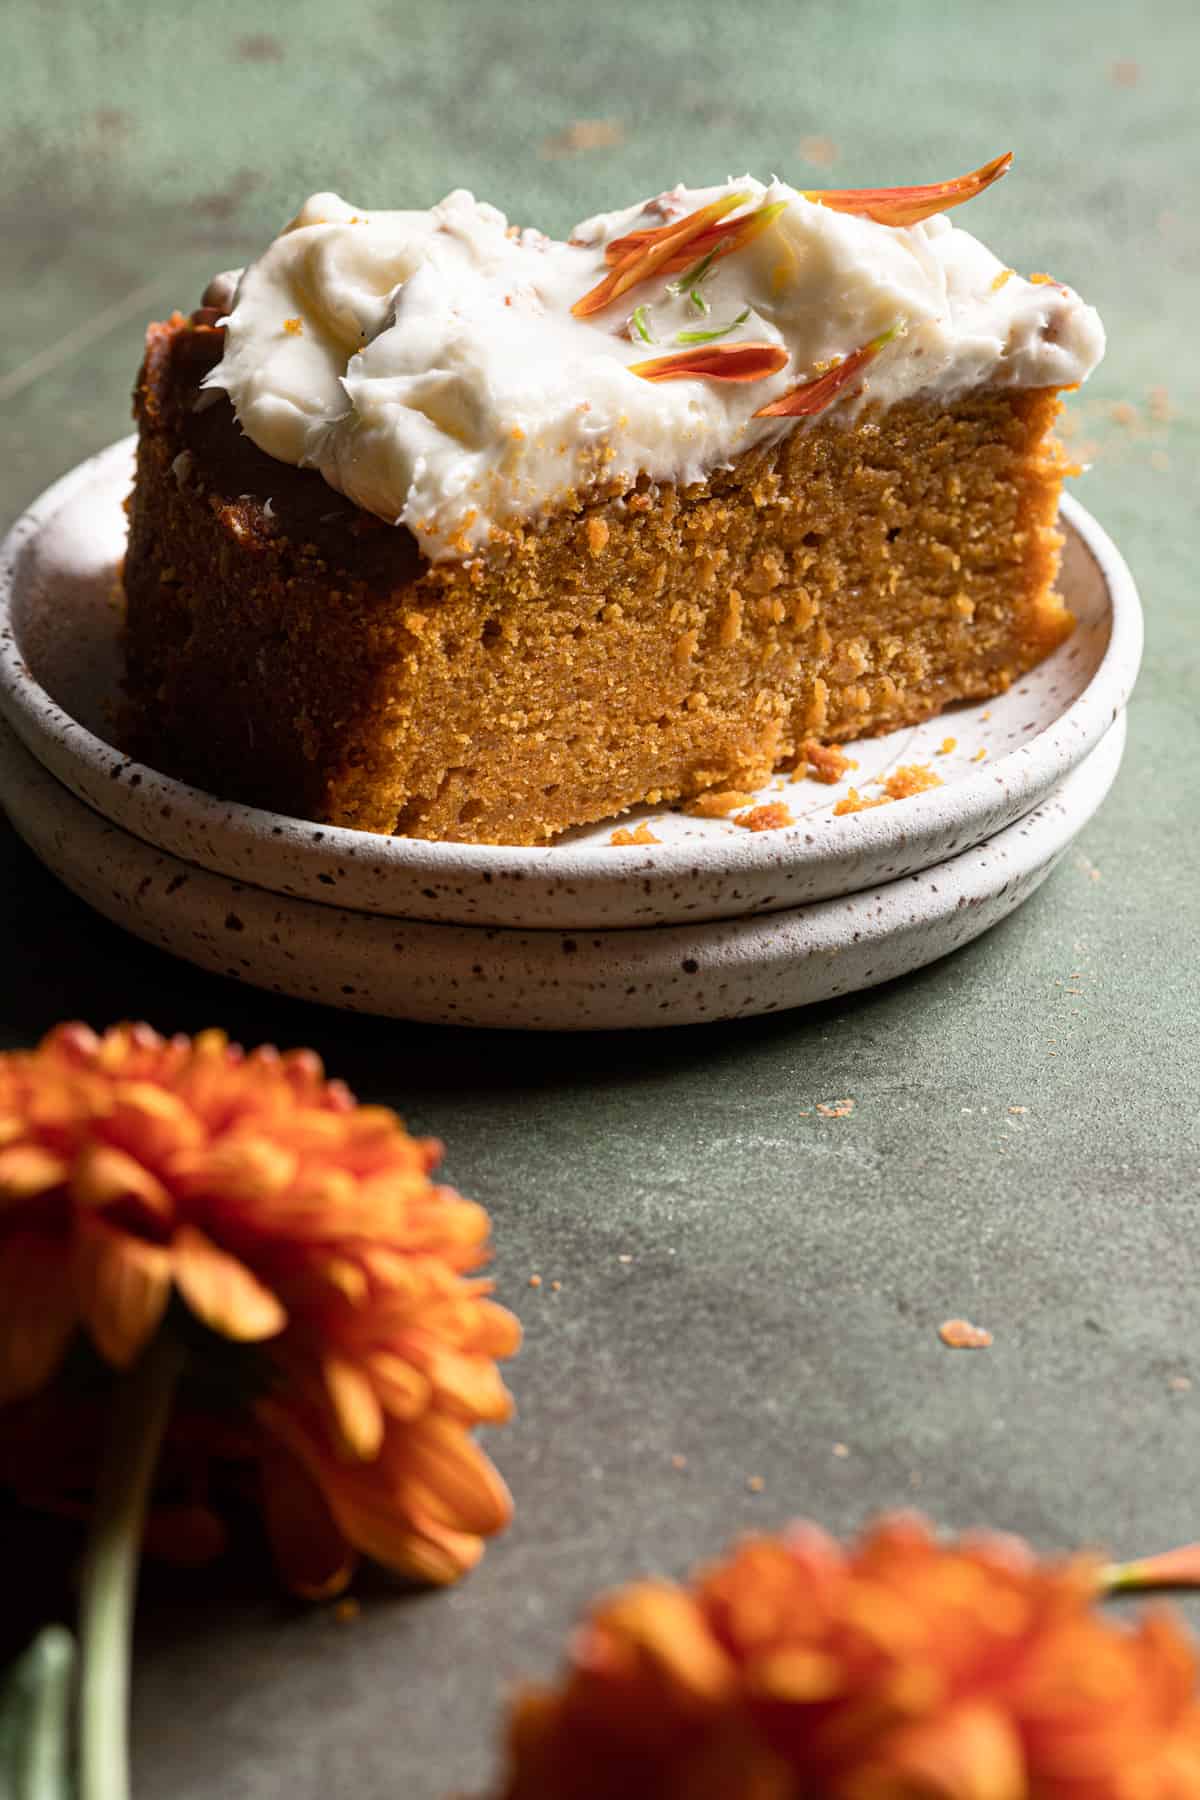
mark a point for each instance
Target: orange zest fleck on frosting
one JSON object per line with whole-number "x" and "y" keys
{"x": 813, "y": 396}
{"x": 645, "y": 260}
{"x": 293, "y": 327}
{"x": 909, "y": 205}
{"x": 719, "y": 362}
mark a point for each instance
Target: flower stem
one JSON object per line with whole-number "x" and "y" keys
{"x": 1169, "y": 1569}
{"x": 143, "y": 1402}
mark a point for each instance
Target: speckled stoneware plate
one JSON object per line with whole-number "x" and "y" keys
{"x": 59, "y": 675}
{"x": 547, "y": 980}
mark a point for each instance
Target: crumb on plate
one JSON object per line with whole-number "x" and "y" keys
{"x": 641, "y": 834}
{"x": 771, "y": 817}
{"x": 717, "y": 805}
{"x": 960, "y": 1334}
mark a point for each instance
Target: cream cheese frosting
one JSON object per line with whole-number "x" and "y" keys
{"x": 430, "y": 366}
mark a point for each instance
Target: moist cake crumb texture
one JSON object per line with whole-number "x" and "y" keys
{"x": 288, "y": 649}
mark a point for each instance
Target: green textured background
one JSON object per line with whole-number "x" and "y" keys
{"x": 744, "y": 1282}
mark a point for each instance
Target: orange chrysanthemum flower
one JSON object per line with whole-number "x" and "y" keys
{"x": 898, "y": 1670}
{"x": 292, "y": 1243}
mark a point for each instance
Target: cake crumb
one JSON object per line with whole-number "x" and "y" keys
{"x": 947, "y": 745}
{"x": 822, "y": 762}
{"x": 855, "y": 802}
{"x": 597, "y": 536}
{"x": 624, "y": 1257}
{"x": 641, "y": 834}
{"x": 960, "y": 1334}
{"x": 771, "y": 817}
{"x": 679, "y": 1462}
{"x": 901, "y": 784}
{"x": 835, "y": 1109}
{"x": 717, "y": 805}
{"x": 1180, "y": 1384}
{"x": 755, "y": 1483}
{"x": 1018, "y": 1109}
{"x": 1160, "y": 405}
{"x": 912, "y": 778}
{"x": 1122, "y": 413}
{"x": 556, "y": 1287}
{"x": 1125, "y": 72}
{"x": 841, "y": 1450}
{"x": 535, "y": 1281}
{"x": 347, "y": 1610}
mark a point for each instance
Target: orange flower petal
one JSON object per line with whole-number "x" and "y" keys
{"x": 151, "y": 1123}
{"x": 356, "y": 1408}
{"x": 646, "y": 259}
{"x": 432, "y": 1552}
{"x": 26, "y": 1170}
{"x": 123, "y": 1284}
{"x": 221, "y": 1291}
{"x": 716, "y": 362}
{"x": 440, "y": 1470}
{"x": 470, "y": 1387}
{"x": 812, "y": 397}
{"x": 909, "y": 205}
{"x": 721, "y": 239}
{"x": 311, "y": 1554}
{"x": 235, "y": 1172}
{"x": 656, "y": 1630}
{"x": 347, "y": 1277}
{"x": 38, "y": 1312}
{"x": 967, "y": 1753}
{"x": 497, "y": 1332}
{"x": 103, "y": 1176}
{"x": 403, "y": 1391}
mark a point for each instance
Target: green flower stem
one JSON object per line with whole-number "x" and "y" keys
{"x": 143, "y": 1403}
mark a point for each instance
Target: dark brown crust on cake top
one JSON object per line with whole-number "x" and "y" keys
{"x": 287, "y": 649}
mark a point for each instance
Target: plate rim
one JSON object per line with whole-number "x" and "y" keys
{"x": 840, "y": 930}
{"x": 1029, "y": 770}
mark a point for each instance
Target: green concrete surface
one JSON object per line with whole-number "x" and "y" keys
{"x": 745, "y": 1282}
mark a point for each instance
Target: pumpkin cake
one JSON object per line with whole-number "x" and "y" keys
{"x": 446, "y": 529}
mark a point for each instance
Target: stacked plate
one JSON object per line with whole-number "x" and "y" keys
{"x": 708, "y": 921}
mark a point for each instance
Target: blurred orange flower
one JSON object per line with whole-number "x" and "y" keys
{"x": 295, "y": 1244}
{"x": 900, "y": 1669}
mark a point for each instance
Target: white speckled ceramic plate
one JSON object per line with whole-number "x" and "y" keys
{"x": 59, "y": 672}
{"x": 547, "y": 980}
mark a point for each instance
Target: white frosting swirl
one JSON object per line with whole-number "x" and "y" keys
{"x": 429, "y": 365}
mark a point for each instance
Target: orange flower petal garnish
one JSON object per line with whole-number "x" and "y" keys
{"x": 245, "y": 1198}
{"x": 812, "y": 397}
{"x": 721, "y": 239}
{"x": 909, "y": 205}
{"x": 719, "y": 362}
{"x": 645, "y": 260}
{"x": 896, "y": 1666}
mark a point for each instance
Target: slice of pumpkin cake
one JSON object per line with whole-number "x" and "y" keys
{"x": 442, "y": 527}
